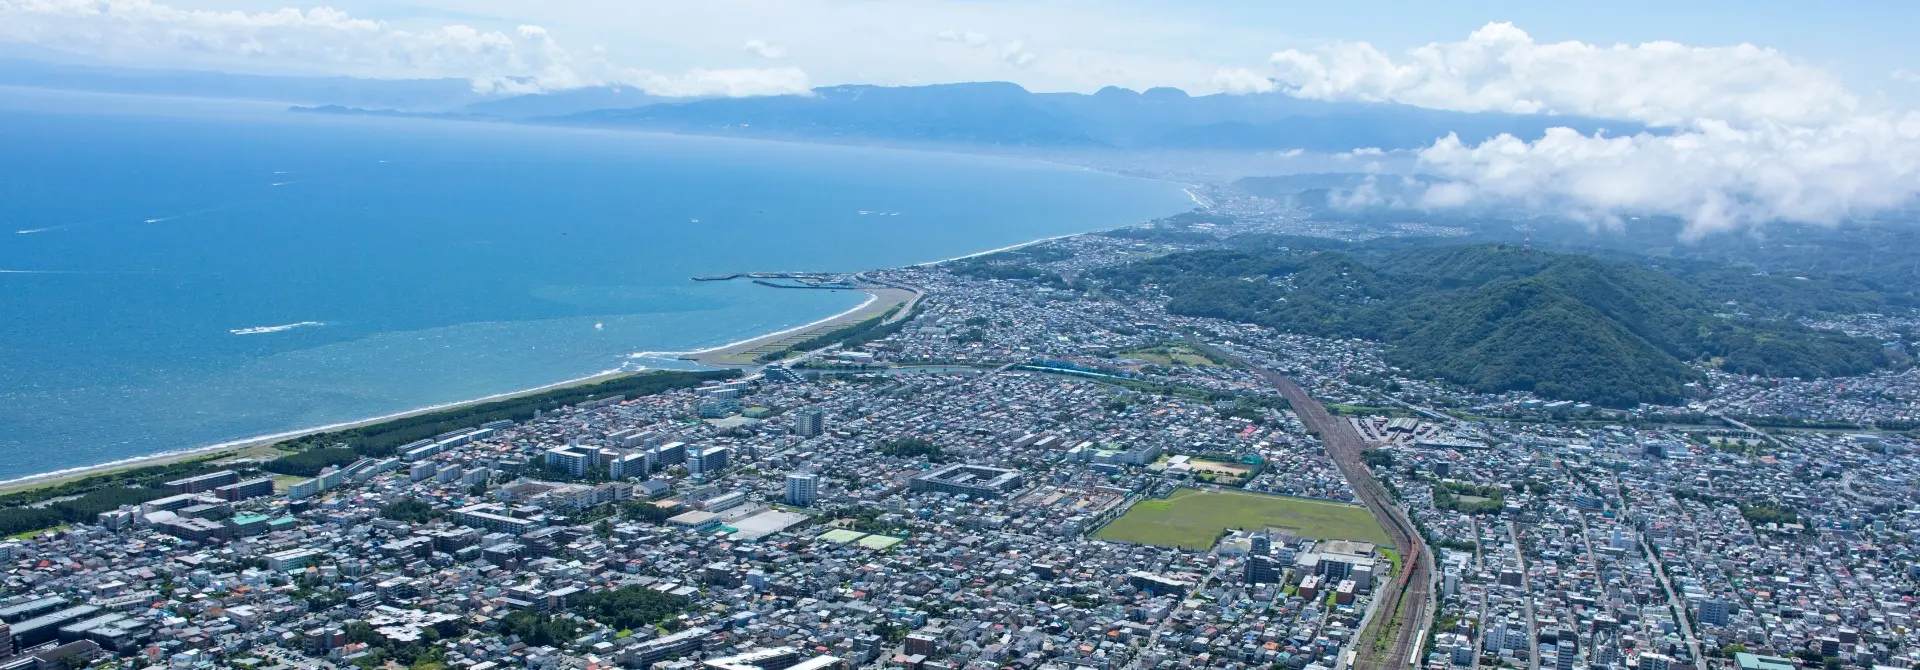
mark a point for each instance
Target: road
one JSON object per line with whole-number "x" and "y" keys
{"x": 1526, "y": 596}
{"x": 1153, "y": 639}
{"x": 1673, "y": 601}
{"x": 1750, "y": 429}
{"x": 1409, "y": 599}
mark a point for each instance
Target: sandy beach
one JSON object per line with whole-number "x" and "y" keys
{"x": 742, "y": 354}
{"x": 262, "y": 444}
{"x": 736, "y": 355}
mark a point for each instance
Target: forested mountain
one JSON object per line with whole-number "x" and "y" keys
{"x": 1497, "y": 318}
{"x": 1780, "y": 269}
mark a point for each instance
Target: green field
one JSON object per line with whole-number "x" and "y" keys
{"x": 1193, "y": 519}
{"x": 1171, "y": 355}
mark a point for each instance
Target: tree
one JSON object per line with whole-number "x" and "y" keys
{"x": 410, "y": 510}
{"x": 645, "y": 511}
{"x": 628, "y": 607}
{"x": 912, "y": 447}
{"x": 310, "y": 462}
{"x": 539, "y": 629}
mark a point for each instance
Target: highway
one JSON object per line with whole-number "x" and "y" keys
{"x": 1408, "y": 599}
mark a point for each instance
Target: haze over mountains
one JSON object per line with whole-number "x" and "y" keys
{"x": 999, "y": 113}
{"x": 1615, "y": 332}
{"x": 994, "y": 114}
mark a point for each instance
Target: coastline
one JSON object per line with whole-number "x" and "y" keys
{"x": 1009, "y": 247}
{"x": 233, "y": 447}
{"x": 717, "y": 356}
{"x": 736, "y": 354}
{"x": 742, "y": 354}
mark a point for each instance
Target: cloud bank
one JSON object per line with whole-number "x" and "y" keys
{"x": 1242, "y": 80}
{"x": 1500, "y": 68}
{"x": 1756, "y": 137}
{"x": 524, "y": 60}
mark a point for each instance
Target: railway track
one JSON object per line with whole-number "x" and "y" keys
{"x": 1403, "y": 610}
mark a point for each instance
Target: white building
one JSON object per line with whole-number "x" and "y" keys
{"x": 802, "y": 489}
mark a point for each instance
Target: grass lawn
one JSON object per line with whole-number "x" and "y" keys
{"x": 1171, "y": 355}
{"x": 1193, "y": 519}
{"x": 28, "y": 535}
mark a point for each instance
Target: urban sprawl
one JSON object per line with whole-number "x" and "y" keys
{"x": 1028, "y": 473}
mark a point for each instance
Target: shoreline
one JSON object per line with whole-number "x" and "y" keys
{"x": 741, "y": 354}
{"x": 686, "y": 355}
{"x": 28, "y": 482}
{"x": 722, "y": 356}
{"x": 233, "y": 447}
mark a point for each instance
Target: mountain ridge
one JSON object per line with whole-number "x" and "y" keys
{"x": 1005, "y": 114}
{"x": 1498, "y": 318}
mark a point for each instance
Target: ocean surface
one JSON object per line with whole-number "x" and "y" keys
{"x": 177, "y": 273}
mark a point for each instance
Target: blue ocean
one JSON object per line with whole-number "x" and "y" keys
{"x": 177, "y": 273}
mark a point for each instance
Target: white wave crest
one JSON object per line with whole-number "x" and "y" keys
{"x": 258, "y": 330}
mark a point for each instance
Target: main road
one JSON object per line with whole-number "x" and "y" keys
{"x": 1405, "y": 608}
{"x": 1526, "y": 595}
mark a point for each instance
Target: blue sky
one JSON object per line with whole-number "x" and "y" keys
{"x": 1068, "y": 44}
{"x": 1779, "y": 110}
{"x": 1865, "y": 40}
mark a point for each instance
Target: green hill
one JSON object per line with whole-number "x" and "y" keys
{"x": 1498, "y": 318}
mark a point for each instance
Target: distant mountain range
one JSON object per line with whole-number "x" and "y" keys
{"x": 1004, "y": 114}
{"x": 992, "y": 114}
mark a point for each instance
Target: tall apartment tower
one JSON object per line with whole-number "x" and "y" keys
{"x": 802, "y": 489}
{"x": 811, "y": 423}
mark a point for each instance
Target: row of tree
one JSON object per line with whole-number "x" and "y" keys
{"x": 383, "y": 438}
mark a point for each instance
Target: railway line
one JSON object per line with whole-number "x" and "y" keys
{"x": 1405, "y": 607}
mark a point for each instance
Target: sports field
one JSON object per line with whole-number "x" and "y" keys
{"x": 1193, "y": 519}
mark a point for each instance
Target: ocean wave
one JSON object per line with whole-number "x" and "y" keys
{"x": 257, "y": 330}
{"x": 30, "y": 231}
{"x": 182, "y": 215}
{"x": 657, "y": 354}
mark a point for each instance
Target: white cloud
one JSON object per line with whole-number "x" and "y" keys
{"x": 1242, "y": 80}
{"x": 1904, "y": 76}
{"x": 525, "y": 59}
{"x": 1010, "y": 52}
{"x": 1367, "y": 194}
{"x": 968, "y": 38}
{"x": 1501, "y": 68}
{"x": 764, "y": 49}
{"x": 1016, "y": 54}
{"x": 730, "y": 82}
{"x": 1717, "y": 177}
{"x": 1755, "y": 137}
